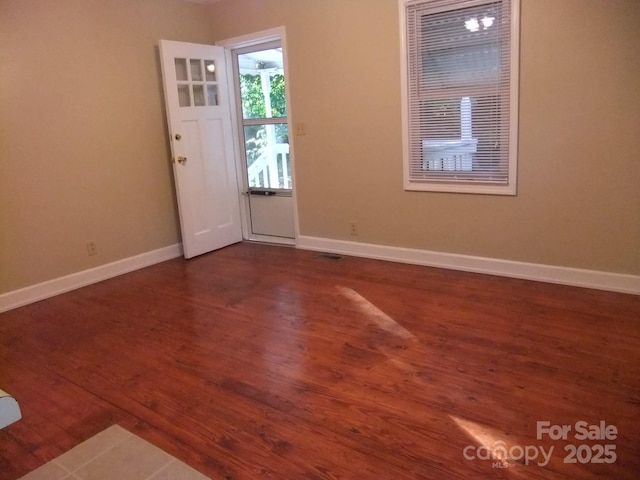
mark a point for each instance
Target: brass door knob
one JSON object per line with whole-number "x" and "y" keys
{"x": 182, "y": 160}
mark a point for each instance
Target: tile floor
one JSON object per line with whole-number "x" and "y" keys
{"x": 115, "y": 454}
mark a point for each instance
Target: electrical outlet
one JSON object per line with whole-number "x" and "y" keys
{"x": 92, "y": 248}
{"x": 353, "y": 228}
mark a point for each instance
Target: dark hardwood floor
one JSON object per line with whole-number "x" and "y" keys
{"x": 268, "y": 362}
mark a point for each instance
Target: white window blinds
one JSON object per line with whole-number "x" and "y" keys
{"x": 461, "y": 95}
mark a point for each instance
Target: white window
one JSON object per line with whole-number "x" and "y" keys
{"x": 460, "y": 95}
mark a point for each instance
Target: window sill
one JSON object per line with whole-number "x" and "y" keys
{"x": 443, "y": 187}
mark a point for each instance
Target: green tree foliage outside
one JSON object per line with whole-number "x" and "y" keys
{"x": 253, "y": 106}
{"x": 253, "y": 98}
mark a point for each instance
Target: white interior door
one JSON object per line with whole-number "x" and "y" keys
{"x": 199, "y": 118}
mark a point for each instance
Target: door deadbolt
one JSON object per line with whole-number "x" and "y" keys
{"x": 178, "y": 136}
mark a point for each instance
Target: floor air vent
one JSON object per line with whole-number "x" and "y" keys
{"x": 329, "y": 256}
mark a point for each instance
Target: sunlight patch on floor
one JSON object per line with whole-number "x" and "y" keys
{"x": 381, "y": 319}
{"x": 502, "y": 452}
{"x": 483, "y": 436}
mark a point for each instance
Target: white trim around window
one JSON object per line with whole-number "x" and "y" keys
{"x": 459, "y": 74}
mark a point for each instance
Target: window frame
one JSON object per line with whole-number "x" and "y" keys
{"x": 468, "y": 185}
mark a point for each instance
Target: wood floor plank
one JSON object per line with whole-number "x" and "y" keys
{"x": 258, "y": 361}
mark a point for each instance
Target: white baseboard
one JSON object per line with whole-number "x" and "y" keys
{"x": 40, "y": 291}
{"x": 616, "y": 282}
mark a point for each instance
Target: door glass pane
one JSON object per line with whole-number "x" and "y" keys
{"x": 262, "y": 84}
{"x": 184, "y": 99}
{"x": 181, "y": 69}
{"x": 212, "y": 95}
{"x": 196, "y": 70}
{"x": 198, "y": 95}
{"x": 210, "y": 70}
{"x": 267, "y": 153}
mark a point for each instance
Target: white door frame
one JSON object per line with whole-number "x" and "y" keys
{"x": 279, "y": 34}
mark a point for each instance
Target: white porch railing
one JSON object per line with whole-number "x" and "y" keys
{"x": 449, "y": 155}
{"x": 272, "y": 169}
{"x": 454, "y": 155}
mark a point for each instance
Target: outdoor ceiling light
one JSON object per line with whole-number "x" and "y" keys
{"x": 473, "y": 24}
{"x": 487, "y": 21}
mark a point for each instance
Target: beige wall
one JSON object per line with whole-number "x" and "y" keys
{"x": 84, "y": 155}
{"x": 578, "y": 202}
{"x": 83, "y": 149}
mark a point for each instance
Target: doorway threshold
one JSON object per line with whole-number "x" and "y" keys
{"x": 269, "y": 240}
